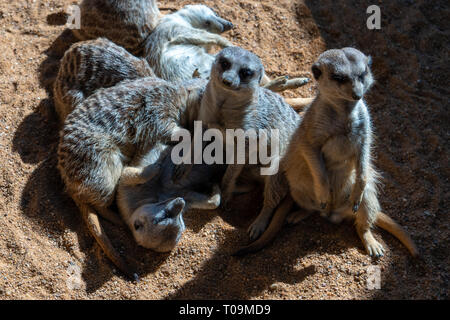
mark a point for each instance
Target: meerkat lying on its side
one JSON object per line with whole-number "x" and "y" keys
{"x": 329, "y": 164}
{"x": 125, "y": 22}
{"x": 109, "y": 129}
{"x": 152, "y": 203}
{"x": 91, "y": 65}
{"x": 233, "y": 99}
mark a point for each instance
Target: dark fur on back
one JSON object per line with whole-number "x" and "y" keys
{"x": 91, "y": 65}
{"x": 125, "y": 22}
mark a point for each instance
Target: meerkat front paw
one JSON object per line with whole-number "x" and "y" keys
{"x": 357, "y": 195}
{"x": 257, "y": 228}
{"x": 323, "y": 195}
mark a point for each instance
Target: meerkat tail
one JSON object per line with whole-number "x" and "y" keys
{"x": 275, "y": 225}
{"x": 96, "y": 229}
{"x": 387, "y": 223}
{"x": 298, "y": 104}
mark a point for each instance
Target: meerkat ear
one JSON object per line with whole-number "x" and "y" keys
{"x": 369, "y": 61}
{"x": 261, "y": 74}
{"x": 316, "y": 71}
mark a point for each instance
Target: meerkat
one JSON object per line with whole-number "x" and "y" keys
{"x": 178, "y": 47}
{"x": 328, "y": 164}
{"x": 109, "y": 129}
{"x": 233, "y": 99}
{"x": 128, "y": 23}
{"x": 91, "y": 65}
{"x": 152, "y": 202}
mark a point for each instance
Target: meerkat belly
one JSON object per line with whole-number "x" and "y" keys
{"x": 181, "y": 61}
{"x": 338, "y": 152}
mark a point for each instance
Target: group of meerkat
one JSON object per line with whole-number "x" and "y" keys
{"x": 137, "y": 78}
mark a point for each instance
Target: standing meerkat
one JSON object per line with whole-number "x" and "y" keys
{"x": 329, "y": 164}
{"x": 233, "y": 99}
{"x": 125, "y": 22}
{"x": 91, "y": 65}
{"x": 109, "y": 129}
{"x": 152, "y": 202}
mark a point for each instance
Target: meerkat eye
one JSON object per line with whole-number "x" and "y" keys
{"x": 208, "y": 23}
{"x": 137, "y": 225}
{"x": 363, "y": 75}
{"x": 245, "y": 73}
{"x": 225, "y": 64}
{"x": 339, "y": 78}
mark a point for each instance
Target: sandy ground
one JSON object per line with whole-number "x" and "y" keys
{"x": 44, "y": 244}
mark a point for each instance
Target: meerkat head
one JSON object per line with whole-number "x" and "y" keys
{"x": 159, "y": 226}
{"x": 202, "y": 17}
{"x": 343, "y": 74}
{"x": 237, "y": 70}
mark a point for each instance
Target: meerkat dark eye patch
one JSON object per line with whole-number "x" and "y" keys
{"x": 246, "y": 73}
{"x": 137, "y": 225}
{"x": 225, "y": 64}
{"x": 363, "y": 75}
{"x": 339, "y": 78}
{"x": 316, "y": 72}
{"x": 208, "y": 23}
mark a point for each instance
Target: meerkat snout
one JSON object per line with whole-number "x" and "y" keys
{"x": 237, "y": 69}
{"x": 203, "y": 17}
{"x": 159, "y": 226}
{"x": 175, "y": 207}
{"x": 343, "y": 73}
{"x": 227, "y": 25}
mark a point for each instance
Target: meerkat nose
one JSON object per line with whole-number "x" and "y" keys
{"x": 356, "y": 96}
{"x": 175, "y": 207}
{"x": 227, "y": 82}
{"x": 228, "y": 26}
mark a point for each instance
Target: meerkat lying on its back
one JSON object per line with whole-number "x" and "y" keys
{"x": 329, "y": 164}
{"x": 178, "y": 47}
{"x": 233, "y": 99}
{"x": 125, "y": 22}
{"x": 91, "y": 65}
{"x": 152, "y": 203}
{"x": 109, "y": 129}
